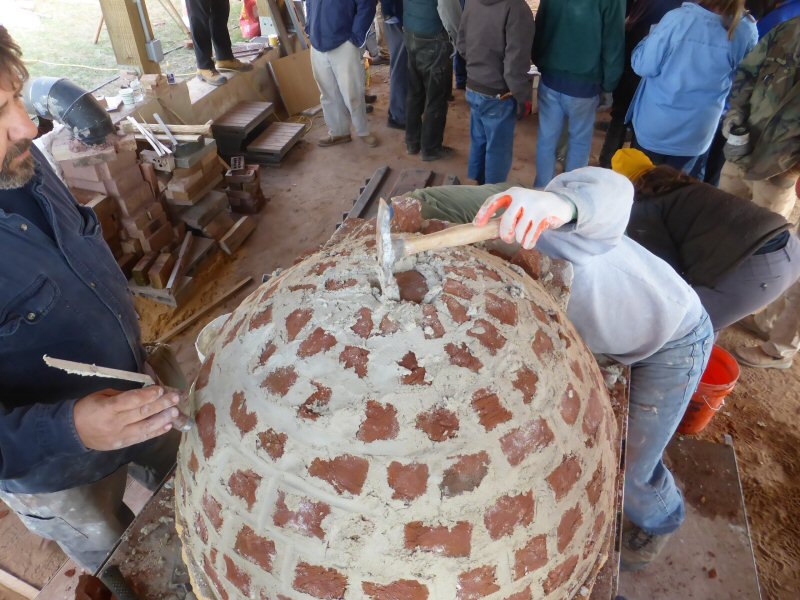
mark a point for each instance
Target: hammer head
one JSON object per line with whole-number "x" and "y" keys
{"x": 386, "y": 250}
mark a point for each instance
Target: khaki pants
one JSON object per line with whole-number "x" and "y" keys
{"x": 341, "y": 79}
{"x": 776, "y": 193}
{"x": 781, "y": 321}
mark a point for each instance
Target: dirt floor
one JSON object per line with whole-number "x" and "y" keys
{"x": 309, "y": 193}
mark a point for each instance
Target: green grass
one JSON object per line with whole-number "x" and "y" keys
{"x": 56, "y": 38}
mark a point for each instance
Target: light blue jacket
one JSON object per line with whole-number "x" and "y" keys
{"x": 687, "y": 64}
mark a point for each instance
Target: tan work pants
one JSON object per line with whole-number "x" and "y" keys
{"x": 776, "y": 193}
{"x": 781, "y": 321}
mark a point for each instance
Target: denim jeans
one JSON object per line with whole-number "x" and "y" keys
{"x": 398, "y": 72}
{"x": 681, "y": 163}
{"x": 430, "y": 77}
{"x": 492, "y": 123}
{"x": 555, "y": 109}
{"x": 661, "y": 388}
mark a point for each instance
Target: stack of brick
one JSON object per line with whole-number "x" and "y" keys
{"x": 243, "y": 187}
{"x": 187, "y": 186}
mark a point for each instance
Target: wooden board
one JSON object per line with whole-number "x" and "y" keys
{"x": 295, "y": 81}
{"x": 410, "y": 180}
{"x": 275, "y": 142}
{"x": 127, "y": 34}
{"x": 244, "y": 117}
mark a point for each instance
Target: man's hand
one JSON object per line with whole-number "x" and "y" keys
{"x": 523, "y": 109}
{"x": 732, "y": 121}
{"x": 528, "y": 214}
{"x": 606, "y": 101}
{"x": 109, "y": 420}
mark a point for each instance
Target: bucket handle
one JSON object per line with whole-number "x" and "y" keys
{"x": 719, "y": 408}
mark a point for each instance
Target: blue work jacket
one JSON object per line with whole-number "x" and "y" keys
{"x": 61, "y": 294}
{"x": 331, "y": 23}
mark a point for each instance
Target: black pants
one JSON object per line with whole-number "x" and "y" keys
{"x": 429, "y": 81}
{"x": 208, "y": 21}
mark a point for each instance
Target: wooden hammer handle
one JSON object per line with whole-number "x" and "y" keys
{"x": 460, "y": 235}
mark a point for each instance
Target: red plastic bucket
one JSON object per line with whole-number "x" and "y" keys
{"x": 717, "y": 382}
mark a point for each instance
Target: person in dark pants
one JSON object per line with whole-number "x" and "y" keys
{"x": 208, "y": 21}
{"x": 398, "y": 62}
{"x": 429, "y": 27}
{"x": 460, "y": 65}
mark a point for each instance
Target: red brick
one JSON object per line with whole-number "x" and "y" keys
{"x": 319, "y": 341}
{"x": 333, "y": 285}
{"x": 306, "y": 520}
{"x": 313, "y": 405}
{"x": 501, "y": 309}
{"x": 403, "y": 589}
{"x": 303, "y": 287}
{"x": 531, "y": 437}
{"x": 464, "y": 272}
{"x": 258, "y": 550}
{"x": 568, "y": 526}
{"x": 526, "y": 381}
{"x": 576, "y": 368}
{"x": 363, "y": 326}
{"x": 593, "y": 416}
{"x": 477, "y": 583}
{"x": 236, "y": 576}
{"x": 244, "y": 485}
{"x": 597, "y": 534}
{"x": 465, "y": 475}
{"x": 407, "y": 215}
{"x": 388, "y": 326}
{"x": 559, "y": 576}
{"x": 296, "y": 321}
{"x": 453, "y": 542}
{"x": 408, "y": 481}
{"x": 570, "y": 405}
{"x": 487, "y": 335}
{"x": 345, "y": 473}
{"x": 204, "y": 374}
{"x": 417, "y": 373}
{"x": 564, "y": 477}
{"x": 508, "y": 513}
{"x": 233, "y": 332}
{"x": 280, "y": 381}
{"x": 356, "y": 359}
{"x": 261, "y": 319}
{"x": 523, "y": 595}
{"x": 430, "y": 320}
{"x": 458, "y": 289}
{"x": 530, "y": 557}
{"x": 595, "y": 487}
{"x": 488, "y": 273}
{"x": 214, "y": 577}
{"x": 200, "y": 528}
{"x": 440, "y": 424}
{"x": 542, "y": 344}
{"x": 319, "y": 582}
{"x": 206, "y": 422}
{"x": 213, "y": 510}
{"x": 321, "y": 267}
{"x": 267, "y": 353}
{"x": 273, "y": 442}
{"x": 460, "y": 356}
{"x": 413, "y": 286}
{"x": 490, "y": 411}
{"x": 194, "y": 464}
{"x": 245, "y": 421}
{"x": 380, "y": 424}
{"x": 458, "y": 312}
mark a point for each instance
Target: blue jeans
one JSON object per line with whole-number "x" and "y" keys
{"x": 492, "y": 123}
{"x": 661, "y": 388}
{"x": 680, "y": 163}
{"x": 554, "y": 109}
{"x": 398, "y": 72}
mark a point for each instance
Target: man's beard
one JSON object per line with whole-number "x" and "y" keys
{"x": 16, "y": 176}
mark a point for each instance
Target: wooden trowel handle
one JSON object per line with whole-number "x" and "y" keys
{"x": 460, "y": 235}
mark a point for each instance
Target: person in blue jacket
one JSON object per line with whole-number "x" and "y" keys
{"x": 65, "y": 440}
{"x": 398, "y": 62}
{"x": 687, "y": 65}
{"x": 778, "y": 13}
{"x": 338, "y": 30}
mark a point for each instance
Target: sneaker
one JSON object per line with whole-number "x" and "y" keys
{"x": 233, "y": 65}
{"x": 211, "y": 76}
{"x": 392, "y": 124}
{"x": 412, "y": 149}
{"x": 640, "y": 548}
{"x": 750, "y": 324}
{"x": 333, "y": 140}
{"x": 754, "y": 356}
{"x": 443, "y": 152}
{"x": 370, "y": 98}
{"x": 378, "y": 60}
{"x": 370, "y": 140}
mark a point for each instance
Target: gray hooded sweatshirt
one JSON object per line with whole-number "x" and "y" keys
{"x": 495, "y": 39}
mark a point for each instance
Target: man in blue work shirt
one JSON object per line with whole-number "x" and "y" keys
{"x": 65, "y": 440}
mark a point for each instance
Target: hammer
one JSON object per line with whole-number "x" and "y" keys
{"x": 392, "y": 248}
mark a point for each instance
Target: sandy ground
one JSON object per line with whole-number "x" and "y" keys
{"x": 308, "y": 194}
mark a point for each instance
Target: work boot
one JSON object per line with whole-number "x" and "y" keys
{"x": 211, "y": 76}
{"x": 370, "y": 98}
{"x": 754, "y": 356}
{"x": 392, "y": 124}
{"x": 443, "y": 152}
{"x": 370, "y": 140}
{"x": 750, "y": 324}
{"x": 234, "y": 64}
{"x": 639, "y": 548}
{"x": 333, "y": 140}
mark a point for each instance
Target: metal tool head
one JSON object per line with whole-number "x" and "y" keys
{"x": 386, "y": 250}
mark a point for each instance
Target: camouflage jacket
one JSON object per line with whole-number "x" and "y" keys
{"x": 766, "y": 97}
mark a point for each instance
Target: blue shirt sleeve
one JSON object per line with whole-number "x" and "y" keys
{"x": 30, "y": 434}
{"x": 365, "y": 14}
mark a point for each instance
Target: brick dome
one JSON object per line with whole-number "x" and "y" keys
{"x": 451, "y": 446}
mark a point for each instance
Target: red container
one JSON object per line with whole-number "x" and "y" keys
{"x": 717, "y": 382}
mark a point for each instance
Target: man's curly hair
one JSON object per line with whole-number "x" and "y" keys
{"x": 12, "y": 69}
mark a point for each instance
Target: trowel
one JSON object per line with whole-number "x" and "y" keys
{"x": 393, "y": 248}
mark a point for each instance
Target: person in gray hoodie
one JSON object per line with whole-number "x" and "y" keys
{"x": 495, "y": 39}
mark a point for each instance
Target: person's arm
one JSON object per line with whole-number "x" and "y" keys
{"x": 541, "y": 25}
{"x": 309, "y": 15}
{"x": 613, "y": 44}
{"x": 517, "y": 62}
{"x": 105, "y": 420}
{"x": 450, "y": 14}
{"x": 461, "y": 41}
{"x": 744, "y": 83}
{"x": 365, "y": 14}
{"x": 648, "y": 56}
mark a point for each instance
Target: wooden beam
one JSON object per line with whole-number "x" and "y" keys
{"x": 272, "y": 10}
{"x": 17, "y": 585}
{"x": 128, "y": 35}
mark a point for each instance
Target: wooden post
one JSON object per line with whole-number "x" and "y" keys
{"x": 128, "y": 35}
{"x": 272, "y": 10}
